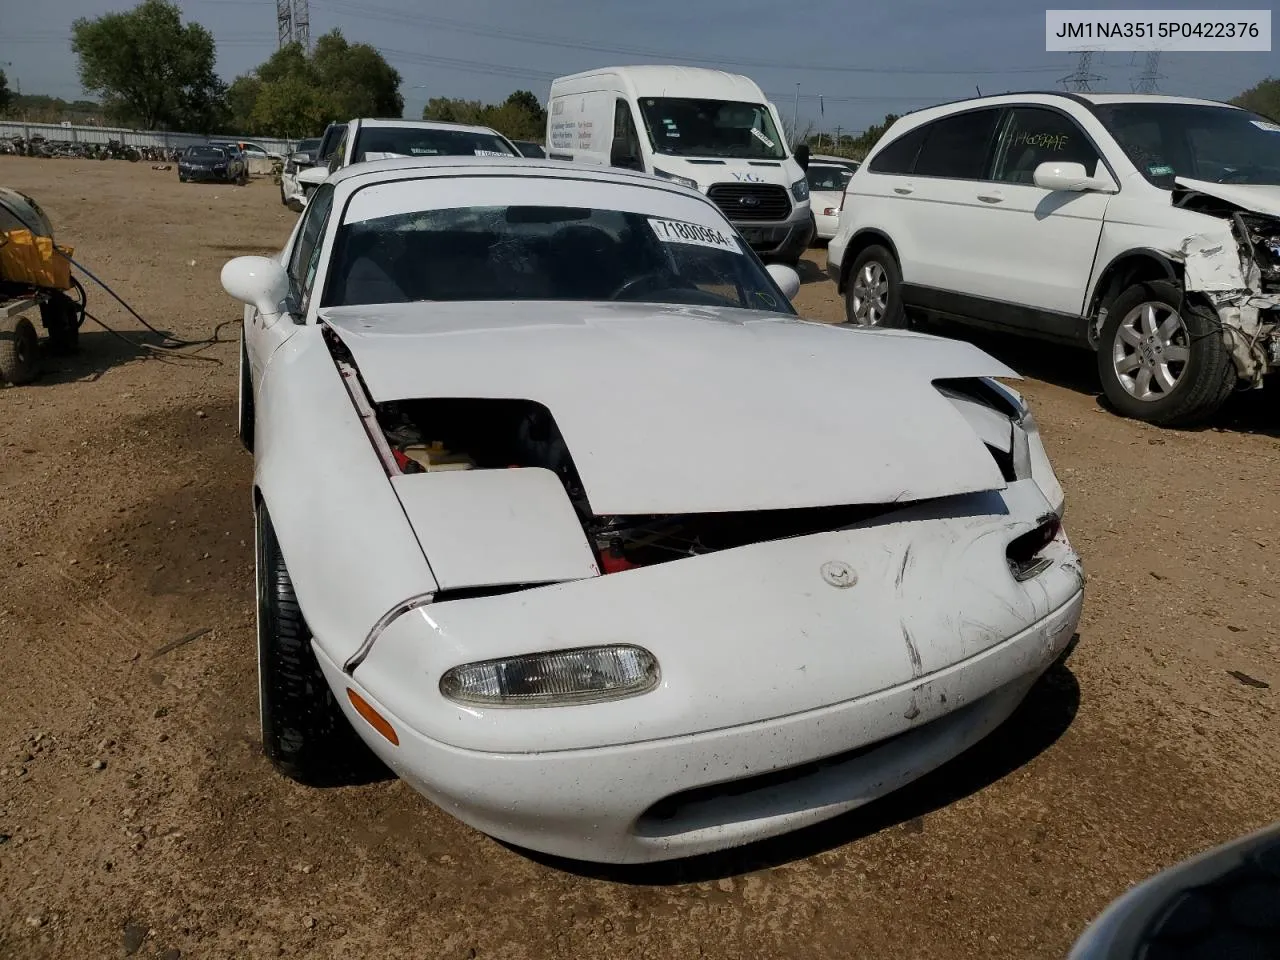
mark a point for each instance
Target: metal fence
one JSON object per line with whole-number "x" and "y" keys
{"x": 135, "y": 138}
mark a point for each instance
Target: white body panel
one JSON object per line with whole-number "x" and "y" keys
{"x": 767, "y": 660}
{"x": 495, "y": 527}
{"x": 741, "y": 410}
{"x": 826, "y": 213}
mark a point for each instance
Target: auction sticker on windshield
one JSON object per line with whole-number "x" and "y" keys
{"x": 679, "y": 231}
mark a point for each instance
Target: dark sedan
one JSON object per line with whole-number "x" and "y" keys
{"x": 215, "y": 164}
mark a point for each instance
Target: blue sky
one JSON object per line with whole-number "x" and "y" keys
{"x": 865, "y": 60}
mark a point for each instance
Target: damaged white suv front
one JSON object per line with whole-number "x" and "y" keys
{"x": 1211, "y": 215}
{"x": 1144, "y": 227}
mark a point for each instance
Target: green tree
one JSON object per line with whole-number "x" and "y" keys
{"x": 520, "y": 116}
{"x": 5, "y": 97}
{"x": 1262, "y": 98}
{"x": 449, "y": 110}
{"x": 150, "y": 69}
{"x": 292, "y": 94}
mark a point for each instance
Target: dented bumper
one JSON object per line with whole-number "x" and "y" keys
{"x": 658, "y": 799}
{"x": 768, "y": 661}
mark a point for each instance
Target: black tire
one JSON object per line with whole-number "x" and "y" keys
{"x": 305, "y": 734}
{"x": 1203, "y": 381}
{"x": 19, "y": 351}
{"x": 182, "y": 178}
{"x": 60, "y": 320}
{"x": 246, "y": 422}
{"x": 893, "y": 315}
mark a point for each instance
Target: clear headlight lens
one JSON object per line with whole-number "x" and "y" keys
{"x": 553, "y": 679}
{"x": 800, "y": 190}
{"x": 683, "y": 181}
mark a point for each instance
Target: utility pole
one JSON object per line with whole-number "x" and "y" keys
{"x": 795, "y": 114}
{"x": 837, "y": 139}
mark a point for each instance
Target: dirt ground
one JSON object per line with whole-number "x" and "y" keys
{"x": 137, "y": 816}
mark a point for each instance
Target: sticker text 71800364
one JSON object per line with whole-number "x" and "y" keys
{"x": 680, "y": 231}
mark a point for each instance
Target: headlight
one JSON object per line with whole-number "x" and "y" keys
{"x": 554, "y": 679}
{"x": 683, "y": 181}
{"x": 800, "y": 190}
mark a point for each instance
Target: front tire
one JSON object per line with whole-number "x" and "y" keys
{"x": 305, "y": 734}
{"x": 1162, "y": 359}
{"x": 873, "y": 294}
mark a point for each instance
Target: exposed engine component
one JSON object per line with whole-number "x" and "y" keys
{"x": 487, "y": 434}
{"x": 1260, "y": 236}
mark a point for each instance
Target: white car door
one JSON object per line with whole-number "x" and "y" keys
{"x": 1047, "y": 240}
{"x": 263, "y": 335}
{"x": 944, "y": 241}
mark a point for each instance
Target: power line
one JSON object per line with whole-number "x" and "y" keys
{"x": 372, "y": 12}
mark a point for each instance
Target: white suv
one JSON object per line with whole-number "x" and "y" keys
{"x": 1144, "y": 227}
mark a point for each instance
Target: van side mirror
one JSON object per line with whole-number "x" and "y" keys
{"x": 802, "y": 155}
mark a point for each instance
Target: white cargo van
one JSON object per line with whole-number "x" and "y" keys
{"x": 713, "y": 131}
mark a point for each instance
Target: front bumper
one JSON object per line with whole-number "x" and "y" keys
{"x": 207, "y": 176}
{"x": 631, "y": 803}
{"x": 787, "y": 239}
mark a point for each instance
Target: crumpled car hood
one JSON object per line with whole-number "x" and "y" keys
{"x": 681, "y": 409}
{"x": 1258, "y": 197}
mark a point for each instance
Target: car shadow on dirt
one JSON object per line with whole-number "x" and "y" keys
{"x": 810, "y": 272}
{"x": 1040, "y": 720}
{"x": 1254, "y": 411}
{"x": 98, "y": 352}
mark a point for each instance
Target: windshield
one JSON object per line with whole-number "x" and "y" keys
{"x": 829, "y": 179}
{"x": 205, "y": 153}
{"x": 711, "y": 128}
{"x": 1195, "y": 141}
{"x": 381, "y": 143}
{"x": 308, "y": 146}
{"x": 545, "y": 253}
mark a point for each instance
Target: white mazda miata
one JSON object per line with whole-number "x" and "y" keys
{"x": 565, "y": 514}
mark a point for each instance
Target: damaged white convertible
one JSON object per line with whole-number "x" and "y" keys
{"x": 568, "y": 517}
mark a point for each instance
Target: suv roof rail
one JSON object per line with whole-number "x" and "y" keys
{"x": 1065, "y": 94}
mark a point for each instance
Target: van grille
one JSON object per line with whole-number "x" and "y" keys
{"x": 751, "y": 201}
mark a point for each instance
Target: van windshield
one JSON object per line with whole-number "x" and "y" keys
{"x": 683, "y": 127}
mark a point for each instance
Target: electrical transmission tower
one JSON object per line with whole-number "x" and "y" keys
{"x": 1148, "y": 80}
{"x": 293, "y": 23}
{"x": 302, "y": 24}
{"x": 1081, "y": 79}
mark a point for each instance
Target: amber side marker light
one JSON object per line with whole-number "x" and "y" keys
{"x": 374, "y": 718}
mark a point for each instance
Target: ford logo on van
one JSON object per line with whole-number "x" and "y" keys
{"x": 749, "y": 201}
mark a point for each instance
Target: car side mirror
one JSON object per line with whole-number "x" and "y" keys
{"x": 786, "y": 278}
{"x": 802, "y": 155}
{"x": 260, "y": 282}
{"x": 300, "y": 159}
{"x": 1070, "y": 178}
